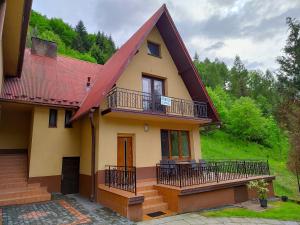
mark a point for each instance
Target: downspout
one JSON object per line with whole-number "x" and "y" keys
{"x": 93, "y": 152}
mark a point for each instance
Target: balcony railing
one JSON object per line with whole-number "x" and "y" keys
{"x": 183, "y": 175}
{"x": 121, "y": 177}
{"x": 120, "y": 98}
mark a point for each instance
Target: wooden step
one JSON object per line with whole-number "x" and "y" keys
{"x": 153, "y": 200}
{"x": 17, "y": 185}
{"x": 25, "y": 199}
{"x": 149, "y": 193}
{"x": 12, "y": 175}
{"x": 155, "y": 207}
{"x": 12, "y": 180}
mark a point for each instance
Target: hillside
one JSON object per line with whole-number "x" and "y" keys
{"x": 75, "y": 42}
{"x": 220, "y": 145}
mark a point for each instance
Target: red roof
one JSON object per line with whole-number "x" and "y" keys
{"x": 116, "y": 65}
{"x": 60, "y": 81}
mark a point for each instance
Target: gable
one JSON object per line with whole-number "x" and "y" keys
{"x": 117, "y": 64}
{"x": 162, "y": 67}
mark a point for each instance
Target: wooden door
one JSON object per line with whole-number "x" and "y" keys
{"x": 125, "y": 157}
{"x": 70, "y": 175}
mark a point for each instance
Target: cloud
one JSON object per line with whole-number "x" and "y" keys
{"x": 215, "y": 46}
{"x": 253, "y": 29}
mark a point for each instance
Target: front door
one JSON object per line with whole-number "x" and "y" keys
{"x": 70, "y": 175}
{"x": 125, "y": 157}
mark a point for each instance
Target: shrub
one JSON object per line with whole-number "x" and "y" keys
{"x": 260, "y": 187}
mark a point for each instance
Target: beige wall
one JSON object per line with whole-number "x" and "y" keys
{"x": 2, "y": 14}
{"x": 163, "y": 67}
{"x": 146, "y": 145}
{"x": 50, "y": 145}
{"x": 14, "y": 128}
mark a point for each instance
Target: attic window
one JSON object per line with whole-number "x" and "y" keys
{"x": 153, "y": 49}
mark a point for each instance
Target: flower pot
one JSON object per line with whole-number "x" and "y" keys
{"x": 284, "y": 198}
{"x": 263, "y": 203}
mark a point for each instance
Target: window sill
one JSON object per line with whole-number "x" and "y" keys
{"x": 156, "y": 56}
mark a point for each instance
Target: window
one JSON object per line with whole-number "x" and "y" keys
{"x": 153, "y": 49}
{"x": 175, "y": 144}
{"x": 68, "y": 116}
{"x": 153, "y": 89}
{"x": 53, "y": 118}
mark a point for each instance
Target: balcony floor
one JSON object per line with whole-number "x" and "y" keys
{"x": 153, "y": 116}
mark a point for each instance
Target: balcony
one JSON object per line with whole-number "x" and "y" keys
{"x": 124, "y": 100}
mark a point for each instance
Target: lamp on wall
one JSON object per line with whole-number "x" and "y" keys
{"x": 146, "y": 127}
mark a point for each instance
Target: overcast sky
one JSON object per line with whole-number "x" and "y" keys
{"x": 253, "y": 29}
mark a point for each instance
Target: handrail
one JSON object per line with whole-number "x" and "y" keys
{"x": 121, "y": 177}
{"x": 182, "y": 175}
{"x": 142, "y": 101}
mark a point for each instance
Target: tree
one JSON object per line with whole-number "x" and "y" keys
{"x": 289, "y": 88}
{"x": 80, "y": 42}
{"x": 213, "y": 74}
{"x": 239, "y": 79}
{"x": 289, "y": 72}
{"x": 65, "y": 31}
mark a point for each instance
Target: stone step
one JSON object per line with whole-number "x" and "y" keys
{"x": 149, "y": 193}
{"x": 22, "y": 192}
{"x": 13, "y": 175}
{"x": 25, "y": 199}
{"x": 17, "y": 184}
{"x": 155, "y": 207}
{"x": 153, "y": 200}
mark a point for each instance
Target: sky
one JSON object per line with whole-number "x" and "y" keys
{"x": 253, "y": 29}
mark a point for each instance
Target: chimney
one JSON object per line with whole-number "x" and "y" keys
{"x": 88, "y": 84}
{"x": 43, "y": 47}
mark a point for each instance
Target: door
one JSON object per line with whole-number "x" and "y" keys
{"x": 153, "y": 89}
{"x": 70, "y": 175}
{"x": 125, "y": 156}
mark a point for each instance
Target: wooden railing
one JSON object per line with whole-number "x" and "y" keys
{"x": 121, "y": 177}
{"x": 183, "y": 175}
{"x": 141, "y": 101}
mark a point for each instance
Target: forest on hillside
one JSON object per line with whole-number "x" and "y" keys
{"x": 71, "y": 41}
{"x": 260, "y": 106}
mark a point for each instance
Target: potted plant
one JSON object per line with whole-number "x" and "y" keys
{"x": 261, "y": 188}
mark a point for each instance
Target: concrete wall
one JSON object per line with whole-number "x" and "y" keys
{"x": 14, "y": 129}
{"x": 146, "y": 145}
{"x": 163, "y": 67}
{"x": 50, "y": 145}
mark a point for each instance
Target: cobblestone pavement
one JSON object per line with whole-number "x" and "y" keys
{"x": 194, "y": 219}
{"x": 65, "y": 210}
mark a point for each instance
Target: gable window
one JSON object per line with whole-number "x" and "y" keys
{"x": 175, "y": 144}
{"x": 68, "y": 116}
{"x": 153, "y": 49}
{"x": 52, "y": 118}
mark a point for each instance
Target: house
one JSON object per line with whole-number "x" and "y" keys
{"x": 125, "y": 134}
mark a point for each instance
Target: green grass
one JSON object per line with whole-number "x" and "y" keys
{"x": 220, "y": 145}
{"x": 278, "y": 210}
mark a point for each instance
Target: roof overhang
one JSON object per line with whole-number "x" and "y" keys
{"x": 16, "y": 19}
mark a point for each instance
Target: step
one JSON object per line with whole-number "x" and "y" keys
{"x": 17, "y": 184}
{"x": 153, "y": 200}
{"x": 12, "y": 180}
{"x": 26, "y": 199}
{"x": 22, "y": 192}
{"x": 148, "y": 193}
{"x": 155, "y": 207}
{"x": 144, "y": 188}
{"x": 13, "y": 175}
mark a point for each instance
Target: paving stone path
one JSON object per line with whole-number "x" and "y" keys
{"x": 195, "y": 218}
{"x": 64, "y": 210}
{"x": 73, "y": 210}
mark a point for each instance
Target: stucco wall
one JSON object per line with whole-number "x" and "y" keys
{"x": 146, "y": 145}
{"x": 163, "y": 67}
{"x": 50, "y": 145}
{"x": 14, "y": 129}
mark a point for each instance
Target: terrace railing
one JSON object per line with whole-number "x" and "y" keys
{"x": 141, "y": 101}
{"x": 121, "y": 177}
{"x": 183, "y": 175}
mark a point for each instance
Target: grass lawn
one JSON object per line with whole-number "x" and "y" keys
{"x": 279, "y": 210}
{"x": 220, "y": 145}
